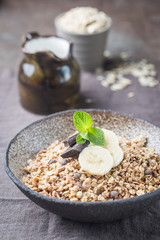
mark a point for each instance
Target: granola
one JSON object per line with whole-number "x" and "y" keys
{"x": 51, "y": 175}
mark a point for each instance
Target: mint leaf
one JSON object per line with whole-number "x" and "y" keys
{"x": 82, "y": 121}
{"x": 84, "y": 135}
{"x": 96, "y": 136}
{"x": 79, "y": 139}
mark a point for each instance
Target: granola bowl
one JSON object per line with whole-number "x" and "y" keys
{"x": 39, "y": 135}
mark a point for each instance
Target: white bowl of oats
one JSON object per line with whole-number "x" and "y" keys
{"x": 88, "y": 29}
{"x": 110, "y": 171}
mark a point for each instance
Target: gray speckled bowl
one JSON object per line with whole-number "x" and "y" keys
{"x": 40, "y": 134}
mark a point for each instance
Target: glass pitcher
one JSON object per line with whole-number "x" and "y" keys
{"x": 49, "y": 76}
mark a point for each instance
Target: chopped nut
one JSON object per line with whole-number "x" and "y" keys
{"x": 79, "y": 194}
{"x": 140, "y": 192}
{"x": 105, "y": 194}
{"x": 100, "y": 188}
{"x": 132, "y": 191}
{"x": 101, "y": 198}
{"x": 86, "y": 183}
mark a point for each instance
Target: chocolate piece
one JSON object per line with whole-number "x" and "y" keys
{"x": 64, "y": 162}
{"x": 148, "y": 172}
{"x": 114, "y": 193}
{"x": 72, "y": 140}
{"x": 75, "y": 150}
{"x": 77, "y": 175}
{"x": 80, "y": 184}
{"x": 52, "y": 161}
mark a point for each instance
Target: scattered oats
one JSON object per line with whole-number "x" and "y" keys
{"x": 100, "y": 77}
{"x": 116, "y": 87}
{"x": 136, "y": 72}
{"x": 130, "y": 94}
{"x": 152, "y": 73}
{"x": 125, "y": 81}
{"x": 150, "y": 66}
{"x": 143, "y": 71}
{"x": 148, "y": 81}
{"x": 153, "y": 83}
{"x": 143, "y": 61}
{"x": 89, "y": 100}
{"x": 125, "y": 55}
{"x": 106, "y": 53}
{"x": 143, "y": 81}
{"x": 111, "y": 78}
{"x": 98, "y": 70}
{"x": 121, "y": 84}
{"x": 104, "y": 83}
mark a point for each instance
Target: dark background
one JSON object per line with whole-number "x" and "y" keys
{"x": 136, "y": 28}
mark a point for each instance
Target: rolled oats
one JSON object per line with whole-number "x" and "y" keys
{"x": 84, "y": 20}
{"x": 118, "y": 77}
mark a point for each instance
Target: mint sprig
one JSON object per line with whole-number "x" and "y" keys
{"x": 83, "y": 122}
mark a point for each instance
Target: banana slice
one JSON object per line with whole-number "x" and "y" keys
{"x": 111, "y": 139}
{"x": 96, "y": 160}
{"x": 112, "y": 145}
{"x": 117, "y": 155}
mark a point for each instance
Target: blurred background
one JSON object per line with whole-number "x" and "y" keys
{"x": 136, "y": 25}
{"x": 135, "y": 29}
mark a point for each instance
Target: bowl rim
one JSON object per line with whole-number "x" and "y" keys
{"x": 104, "y": 29}
{"x": 22, "y": 186}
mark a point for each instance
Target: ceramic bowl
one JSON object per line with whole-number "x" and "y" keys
{"x": 42, "y": 133}
{"x": 88, "y": 48}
